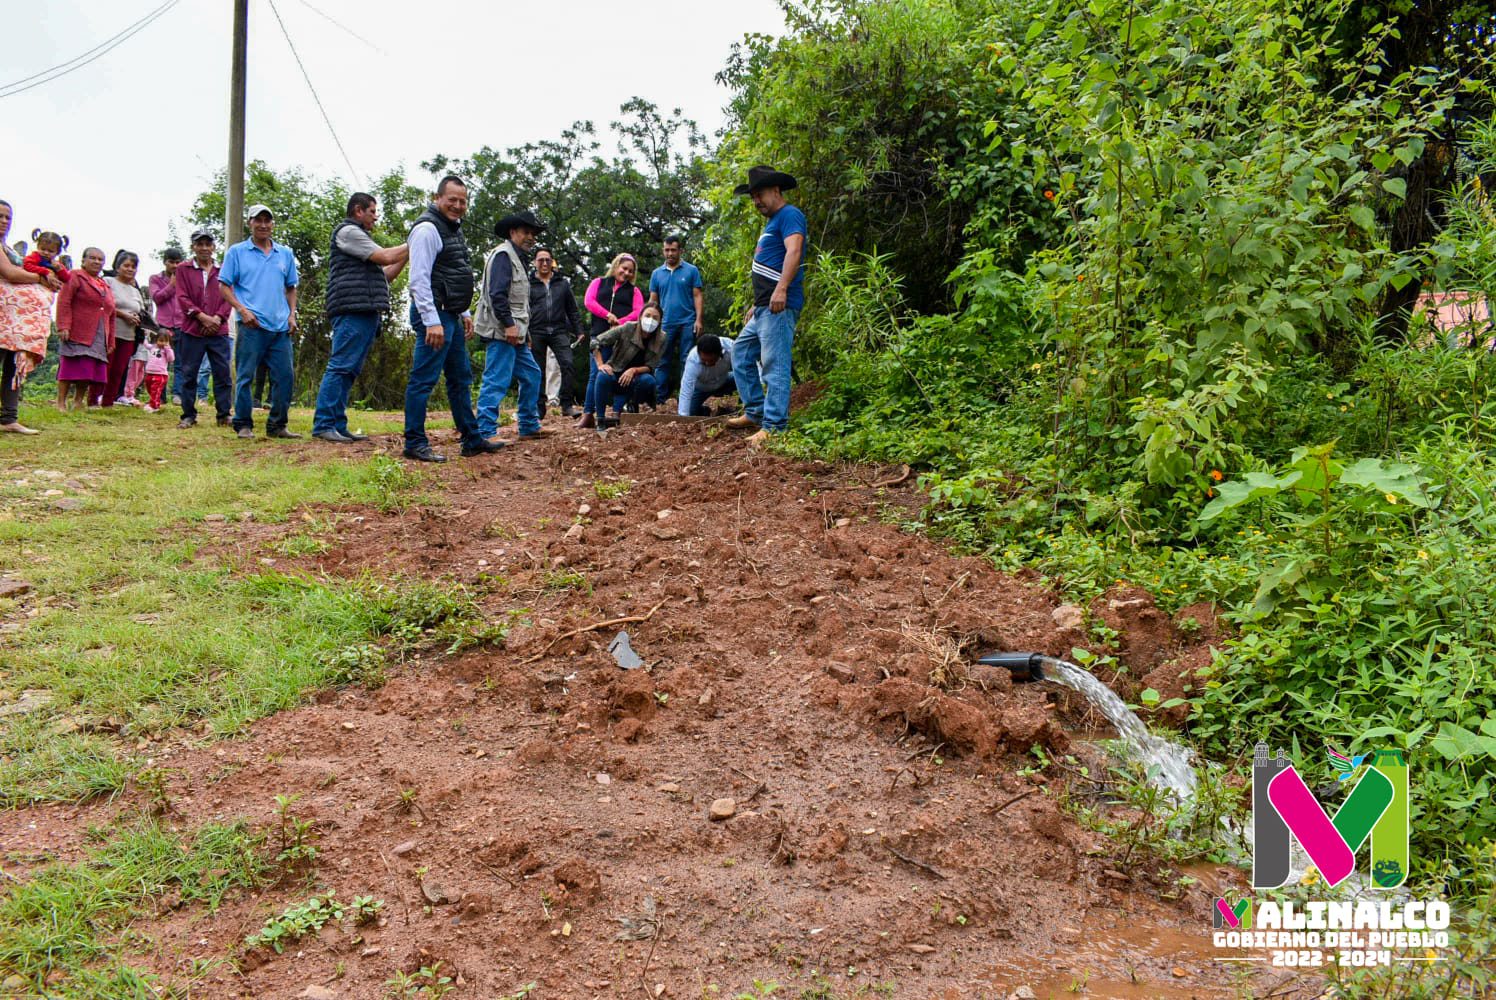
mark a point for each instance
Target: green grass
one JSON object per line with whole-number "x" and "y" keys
{"x": 138, "y": 633}
{"x": 58, "y": 927}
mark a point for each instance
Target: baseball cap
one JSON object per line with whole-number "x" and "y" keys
{"x": 203, "y": 234}
{"x": 255, "y": 210}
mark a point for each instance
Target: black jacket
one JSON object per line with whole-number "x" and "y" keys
{"x": 553, "y": 309}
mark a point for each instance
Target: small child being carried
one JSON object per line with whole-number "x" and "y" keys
{"x": 44, "y": 259}
{"x": 158, "y": 364}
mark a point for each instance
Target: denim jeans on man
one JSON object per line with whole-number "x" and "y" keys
{"x": 254, "y": 347}
{"x": 699, "y": 397}
{"x": 352, "y": 336}
{"x": 766, "y": 344}
{"x": 641, "y": 390}
{"x": 212, "y": 353}
{"x": 679, "y": 339}
{"x": 427, "y": 365}
{"x": 504, "y": 364}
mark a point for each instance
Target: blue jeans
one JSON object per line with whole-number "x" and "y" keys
{"x": 504, "y": 364}
{"x": 352, "y": 336}
{"x": 766, "y": 344}
{"x": 679, "y": 340}
{"x": 252, "y": 348}
{"x": 427, "y": 365}
{"x": 697, "y": 407}
{"x": 197, "y": 353}
{"x": 589, "y": 403}
{"x": 641, "y": 390}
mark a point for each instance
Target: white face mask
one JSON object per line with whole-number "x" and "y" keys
{"x": 649, "y": 325}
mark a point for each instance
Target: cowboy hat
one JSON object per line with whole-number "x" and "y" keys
{"x": 514, "y": 220}
{"x": 764, "y": 177}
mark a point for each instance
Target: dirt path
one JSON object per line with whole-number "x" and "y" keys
{"x": 882, "y": 836}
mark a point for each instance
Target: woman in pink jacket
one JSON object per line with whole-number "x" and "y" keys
{"x": 612, "y": 301}
{"x": 85, "y": 325}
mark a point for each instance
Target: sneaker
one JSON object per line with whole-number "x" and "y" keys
{"x": 246, "y": 433}
{"x": 481, "y": 448}
{"x": 123, "y": 401}
{"x": 186, "y": 422}
{"x": 333, "y": 436}
{"x": 281, "y": 432}
{"x": 423, "y": 454}
{"x": 741, "y": 422}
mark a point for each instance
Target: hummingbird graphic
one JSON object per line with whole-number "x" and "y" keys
{"x": 1345, "y": 765}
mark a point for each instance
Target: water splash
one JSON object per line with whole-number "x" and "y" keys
{"x": 1167, "y": 764}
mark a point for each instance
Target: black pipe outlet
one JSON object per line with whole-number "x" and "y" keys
{"x": 1023, "y": 666}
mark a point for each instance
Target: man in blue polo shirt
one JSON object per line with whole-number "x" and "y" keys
{"x": 259, "y": 281}
{"x": 675, "y": 286}
{"x": 761, "y": 353}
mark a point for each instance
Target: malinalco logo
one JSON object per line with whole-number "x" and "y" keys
{"x": 1283, "y": 808}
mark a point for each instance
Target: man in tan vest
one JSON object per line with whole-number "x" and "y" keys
{"x": 503, "y": 322}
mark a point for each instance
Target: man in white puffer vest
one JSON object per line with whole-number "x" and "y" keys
{"x": 503, "y": 322}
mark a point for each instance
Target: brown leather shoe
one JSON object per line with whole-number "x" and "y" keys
{"x": 588, "y": 421}
{"x": 741, "y": 422}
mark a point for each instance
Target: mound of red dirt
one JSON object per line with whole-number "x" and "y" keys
{"x": 532, "y": 813}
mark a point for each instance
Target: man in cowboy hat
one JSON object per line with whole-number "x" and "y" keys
{"x": 503, "y": 321}
{"x": 761, "y": 353}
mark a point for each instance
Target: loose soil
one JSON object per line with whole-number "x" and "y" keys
{"x": 532, "y": 813}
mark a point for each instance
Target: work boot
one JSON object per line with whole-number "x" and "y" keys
{"x": 587, "y": 422}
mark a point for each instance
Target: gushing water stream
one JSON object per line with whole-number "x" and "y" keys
{"x": 1168, "y": 765}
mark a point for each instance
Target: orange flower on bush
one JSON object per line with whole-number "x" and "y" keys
{"x": 1048, "y": 194}
{"x": 1216, "y": 475}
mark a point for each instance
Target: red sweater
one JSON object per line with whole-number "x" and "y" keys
{"x": 37, "y": 264}
{"x": 81, "y": 304}
{"x": 196, "y": 296}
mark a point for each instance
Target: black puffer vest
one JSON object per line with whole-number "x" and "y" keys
{"x": 452, "y": 280}
{"x": 353, "y": 285}
{"x": 616, "y": 299}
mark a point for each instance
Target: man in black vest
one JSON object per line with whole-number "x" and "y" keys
{"x": 554, "y": 322}
{"x": 441, "y": 293}
{"x": 358, "y": 296}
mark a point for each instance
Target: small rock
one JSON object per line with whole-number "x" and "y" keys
{"x": 1068, "y": 616}
{"x": 722, "y": 809}
{"x": 604, "y": 779}
{"x": 922, "y": 949}
{"x": 1023, "y": 993}
{"x": 566, "y": 929}
{"x": 841, "y": 673}
{"x": 1179, "y": 972}
{"x": 615, "y": 510}
{"x": 30, "y": 701}
{"x": 52, "y": 493}
{"x": 73, "y": 484}
{"x": 369, "y": 952}
{"x": 707, "y": 696}
{"x": 575, "y": 531}
{"x": 401, "y": 850}
{"x": 1130, "y": 602}
{"x": 214, "y": 518}
{"x": 47, "y": 474}
{"x": 317, "y": 993}
{"x": 13, "y": 588}
{"x": 662, "y": 515}
{"x": 13, "y": 985}
{"x": 349, "y": 727}
{"x": 741, "y": 476}
{"x": 843, "y": 522}
{"x": 68, "y": 504}
{"x": 670, "y": 788}
{"x": 1115, "y": 876}
{"x": 436, "y": 893}
{"x": 584, "y": 510}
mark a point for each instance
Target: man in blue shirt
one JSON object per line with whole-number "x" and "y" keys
{"x": 675, "y": 286}
{"x": 259, "y": 282}
{"x": 761, "y": 354}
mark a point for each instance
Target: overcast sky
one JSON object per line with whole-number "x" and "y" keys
{"x": 112, "y": 153}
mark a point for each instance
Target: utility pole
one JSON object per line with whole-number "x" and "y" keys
{"x": 233, "y": 221}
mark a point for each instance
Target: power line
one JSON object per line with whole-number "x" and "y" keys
{"x": 78, "y": 62}
{"x": 338, "y": 24}
{"x": 302, "y": 66}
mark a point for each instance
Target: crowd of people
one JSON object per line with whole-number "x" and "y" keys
{"x": 198, "y": 320}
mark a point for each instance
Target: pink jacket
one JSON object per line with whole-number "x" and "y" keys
{"x": 158, "y": 361}
{"x": 596, "y": 308}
